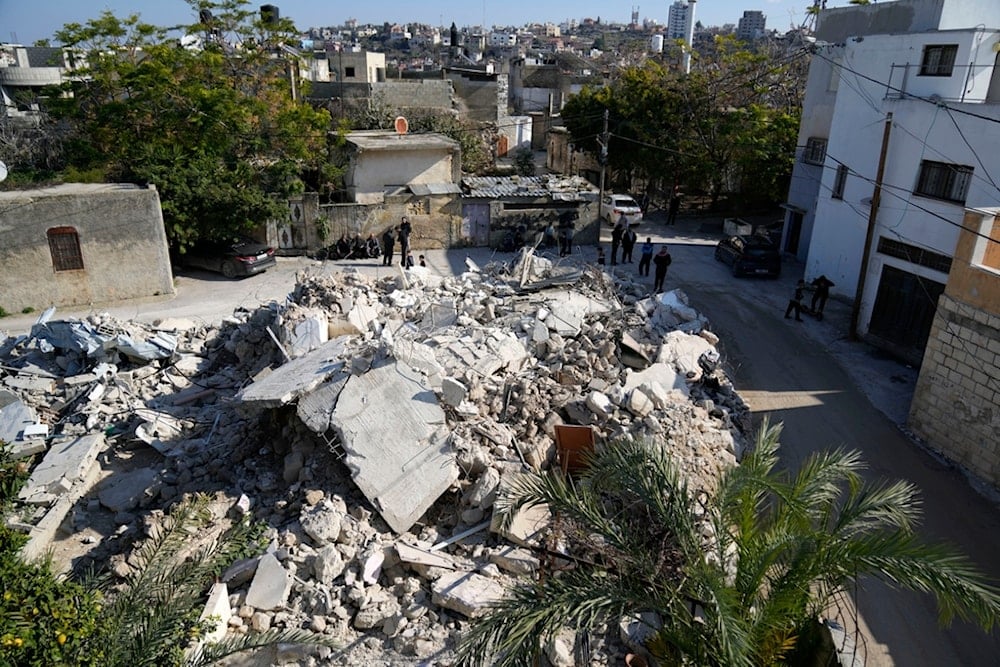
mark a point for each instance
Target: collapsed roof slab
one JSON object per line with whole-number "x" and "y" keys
{"x": 298, "y": 377}
{"x": 397, "y": 447}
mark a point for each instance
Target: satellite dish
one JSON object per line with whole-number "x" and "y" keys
{"x": 401, "y": 125}
{"x": 3, "y": 171}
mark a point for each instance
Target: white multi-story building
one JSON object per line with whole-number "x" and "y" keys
{"x": 923, "y": 76}
{"x": 503, "y": 40}
{"x": 751, "y": 26}
{"x": 677, "y": 20}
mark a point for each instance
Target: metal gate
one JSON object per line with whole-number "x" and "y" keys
{"x": 904, "y": 311}
{"x": 476, "y": 223}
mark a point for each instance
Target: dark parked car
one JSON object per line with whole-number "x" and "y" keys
{"x": 242, "y": 257}
{"x": 750, "y": 255}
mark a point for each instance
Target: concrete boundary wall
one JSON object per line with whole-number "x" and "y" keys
{"x": 956, "y": 404}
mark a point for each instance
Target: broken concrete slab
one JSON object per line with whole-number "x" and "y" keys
{"x": 316, "y": 408}
{"x": 527, "y": 525}
{"x": 271, "y": 585}
{"x": 308, "y": 335}
{"x": 568, "y": 309}
{"x": 15, "y": 415}
{"x": 417, "y": 556}
{"x": 64, "y": 464}
{"x": 217, "y": 610}
{"x": 391, "y": 431}
{"x": 31, "y": 383}
{"x": 515, "y": 560}
{"x": 297, "y": 377}
{"x": 467, "y": 593}
{"x": 123, "y": 491}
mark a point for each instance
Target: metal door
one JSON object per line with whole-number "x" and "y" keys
{"x": 476, "y": 223}
{"x": 904, "y": 310}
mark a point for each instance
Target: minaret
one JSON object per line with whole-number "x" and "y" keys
{"x": 690, "y": 37}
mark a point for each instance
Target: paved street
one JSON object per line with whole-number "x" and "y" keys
{"x": 826, "y": 390}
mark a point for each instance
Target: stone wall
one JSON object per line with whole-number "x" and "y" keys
{"x": 415, "y": 94}
{"x": 956, "y": 404}
{"x": 121, "y": 237}
{"x": 436, "y": 220}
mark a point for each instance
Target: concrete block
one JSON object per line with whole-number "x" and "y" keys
{"x": 465, "y": 592}
{"x": 515, "y": 560}
{"x": 65, "y": 462}
{"x": 297, "y": 377}
{"x": 271, "y": 585}
{"x": 392, "y": 431}
{"x": 217, "y": 608}
{"x": 453, "y": 392}
{"x": 122, "y": 491}
{"x": 15, "y": 416}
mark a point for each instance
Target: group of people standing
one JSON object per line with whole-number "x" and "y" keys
{"x": 624, "y": 236}
{"x": 399, "y": 234}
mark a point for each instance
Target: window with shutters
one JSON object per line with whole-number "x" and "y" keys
{"x": 839, "y": 182}
{"x": 64, "y": 246}
{"x": 938, "y": 60}
{"x": 941, "y": 180}
{"x": 815, "y": 151}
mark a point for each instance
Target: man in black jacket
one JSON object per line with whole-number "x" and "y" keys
{"x": 388, "y": 241}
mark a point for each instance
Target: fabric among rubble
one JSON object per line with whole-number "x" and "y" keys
{"x": 370, "y": 423}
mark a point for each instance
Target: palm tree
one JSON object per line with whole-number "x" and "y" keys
{"x": 734, "y": 576}
{"x": 152, "y": 618}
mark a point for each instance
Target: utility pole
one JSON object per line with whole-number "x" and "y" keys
{"x": 602, "y": 159}
{"x": 872, "y": 215}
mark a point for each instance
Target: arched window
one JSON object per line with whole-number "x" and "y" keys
{"x": 64, "y": 245}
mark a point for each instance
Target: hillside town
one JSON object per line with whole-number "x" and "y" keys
{"x": 589, "y": 343}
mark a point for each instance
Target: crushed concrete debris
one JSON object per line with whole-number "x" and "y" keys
{"x": 370, "y": 424}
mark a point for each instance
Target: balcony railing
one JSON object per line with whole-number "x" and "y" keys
{"x": 966, "y": 83}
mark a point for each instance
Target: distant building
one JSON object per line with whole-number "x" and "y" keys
{"x": 677, "y": 20}
{"x": 751, "y": 26}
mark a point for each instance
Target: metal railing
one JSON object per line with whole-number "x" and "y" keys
{"x": 963, "y": 83}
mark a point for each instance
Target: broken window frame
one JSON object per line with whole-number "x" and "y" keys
{"x": 64, "y": 247}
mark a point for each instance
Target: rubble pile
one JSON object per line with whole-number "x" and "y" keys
{"x": 370, "y": 423}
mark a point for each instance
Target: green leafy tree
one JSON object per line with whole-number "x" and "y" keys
{"x": 215, "y": 127}
{"x": 710, "y": 130}
{"x": 734, "y": 576}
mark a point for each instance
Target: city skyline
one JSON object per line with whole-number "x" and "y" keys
{"x": 24, "y": 23}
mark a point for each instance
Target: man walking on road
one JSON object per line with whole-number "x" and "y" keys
{"x": 795, "y": 303}
{"x": 661, "y": 261}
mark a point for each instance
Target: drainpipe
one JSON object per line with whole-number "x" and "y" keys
{"x": 872, "y": 215}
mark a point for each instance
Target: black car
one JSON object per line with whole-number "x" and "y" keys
{"x": 750, "y": 255}
{"x": 242, "y": 257}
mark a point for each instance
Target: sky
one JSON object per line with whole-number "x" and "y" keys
{"x": 26, "y": 21}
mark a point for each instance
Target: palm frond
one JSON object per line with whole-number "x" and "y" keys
{"x": 214, "y": 652}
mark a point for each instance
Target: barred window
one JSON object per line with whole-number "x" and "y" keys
{"x": 815, "y": 152}
{"x": 938, "y": 60}
{"x": 839, "y": 182}
{"x": 914, "y": 254}
{"x": 64, "y": 246}
{"x": 941, "y": 180}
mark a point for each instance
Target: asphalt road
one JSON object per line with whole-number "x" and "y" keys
{"x": 826, "y": 391}
{"x": 785, "y": 372}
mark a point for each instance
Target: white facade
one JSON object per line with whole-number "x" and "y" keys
{"x": 677, "y": 20}
{"x": 503, "y": 40}
{"x": 939, "y": 159}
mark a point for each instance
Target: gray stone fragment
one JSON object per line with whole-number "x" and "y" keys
{"x": 296, "y": 378}
{"x": 122, "y": 492}
{"x": 453, "y": 392}
{"x": 328, "y": 565}
{"x": 65, "y": 463}
{"x": 465, "y": 592}
{"x": 484, "y": 491}
{"x": 323, "y": 522}
{"x": 271, "y": 585}
{"x": 600, "y": 404}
